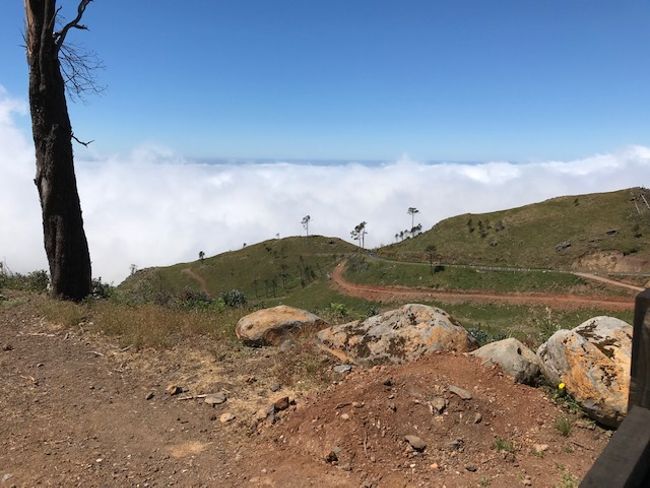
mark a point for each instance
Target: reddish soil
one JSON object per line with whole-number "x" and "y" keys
{"x": 75, "y": 413}
{"x": 462, "y": 451}
{"x": 381, "y": 293}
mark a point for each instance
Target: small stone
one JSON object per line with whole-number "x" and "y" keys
{"x": 342, "y": 368}
{"x": 540, "y": 448}
{"x": 215, "y": 399}
{"x": 333, "y": 455}
{"x": 471, "y": 468}
{"x": 149, "y": 396}
{"x": 358, "y": 404}
{"x": 173, "y": 389}
{"x": 438, "y": 405}
{"x": 434, "y": 467}
{"x": 262, "y": 413}
{"x": 478, "y": 418}
{"x": 40, "y": 365}
{"x": 527, "y": 481}
{"x": 7, "y": 347}
{"x": 345, "y": 416}
{"x": 461, "y": 392}
{"x": 224, "y": 418}
{"x": 456, "y": 444}
{"x": 281, "y": 404}
{"x": 415, "y": 442}
{"x": 276, "y": 387}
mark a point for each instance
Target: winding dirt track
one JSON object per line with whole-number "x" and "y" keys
{"x": 398, "y": 293}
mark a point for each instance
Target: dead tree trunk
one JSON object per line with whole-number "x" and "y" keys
{"x": 65, "y": 241}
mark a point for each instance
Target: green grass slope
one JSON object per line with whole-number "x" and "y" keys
{"x": 538, "y": 235}
{"x": 266, "y": 271}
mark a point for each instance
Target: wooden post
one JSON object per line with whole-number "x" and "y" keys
{"x": 640, "y": 375}
{"x": 624, "y": 462}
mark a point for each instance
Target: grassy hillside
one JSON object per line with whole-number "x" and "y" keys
{"x": 374, "y": 271}
{"x": 272, "y": 269}
{"x": 552, "y": 234}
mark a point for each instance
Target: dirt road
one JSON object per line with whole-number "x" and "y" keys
{"x": 399, "y": 293}
{"x": 608, "y": 281}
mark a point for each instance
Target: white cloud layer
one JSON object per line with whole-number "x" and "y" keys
{"x": 151, "y": 207}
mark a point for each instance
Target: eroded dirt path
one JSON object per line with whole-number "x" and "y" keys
{"x": 609, "y": 281}
{"x": 397, "y": 293}
{"x": 198, "y": 278}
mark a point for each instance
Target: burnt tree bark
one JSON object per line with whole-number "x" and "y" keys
{"x": 65, "y": 240}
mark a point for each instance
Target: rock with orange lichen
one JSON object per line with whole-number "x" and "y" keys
{"x": 272, "y": 325}
{"x": 404, "y": 334}
{"x": 593, "y": 361}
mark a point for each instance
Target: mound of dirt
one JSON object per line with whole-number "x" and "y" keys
{"x": 441, "y": 421}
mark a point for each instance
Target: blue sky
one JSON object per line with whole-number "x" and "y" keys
{"x": 449, "y": 80}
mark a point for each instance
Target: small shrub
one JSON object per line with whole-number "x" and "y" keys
{"x": 483, "y": 336}
{"x": 36, "y": 281}
{"x": 234, "y": 298}
{"x": 338, "y": 310}
{"x": 504, "y": 445}
{"x": 372, "y": 311}
{"x": 101, "y": 290}
{"x": 563, "y": 425}
{"x": 191, "y": 298}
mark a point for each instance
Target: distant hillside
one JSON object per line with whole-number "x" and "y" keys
{"x": 599, "y": 231}
{"x": 270, "y": 269}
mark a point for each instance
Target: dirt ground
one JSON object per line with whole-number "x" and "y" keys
{"x": 381, "y": 293}
{"x": 77, "y": 410}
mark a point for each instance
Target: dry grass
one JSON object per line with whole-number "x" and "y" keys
{"x": 145, "y": 325}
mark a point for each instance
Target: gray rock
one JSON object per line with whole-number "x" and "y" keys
{"x": 215, "y": 399}
{"x": 438, "y": 405}
{"x": 224, "y": 418}
{"x": 461, "y": 392}
{"x": 342, "y": 368}
{"x": 396, "y": 336}
{"x": 513, "y": 357}
{"x": 415, "y": 442}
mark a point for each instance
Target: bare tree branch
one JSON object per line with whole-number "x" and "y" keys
{"x": 59, "y": 37}
{"x": 78, "y": 68}
{"x": 85, "y": 144}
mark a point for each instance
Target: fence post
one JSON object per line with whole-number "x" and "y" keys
{"x": 640, "y": 375}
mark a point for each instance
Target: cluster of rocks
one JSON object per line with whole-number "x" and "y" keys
{"x": 592, "y": 360}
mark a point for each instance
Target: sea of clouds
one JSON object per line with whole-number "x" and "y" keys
{"x": 153, "y": 207}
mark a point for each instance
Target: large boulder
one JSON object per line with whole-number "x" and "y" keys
{"x": 514, "y": 358}
{"x": 396, "y": 336}
{"x": 593, "y": 361}
{"x": 271, "y": 326}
